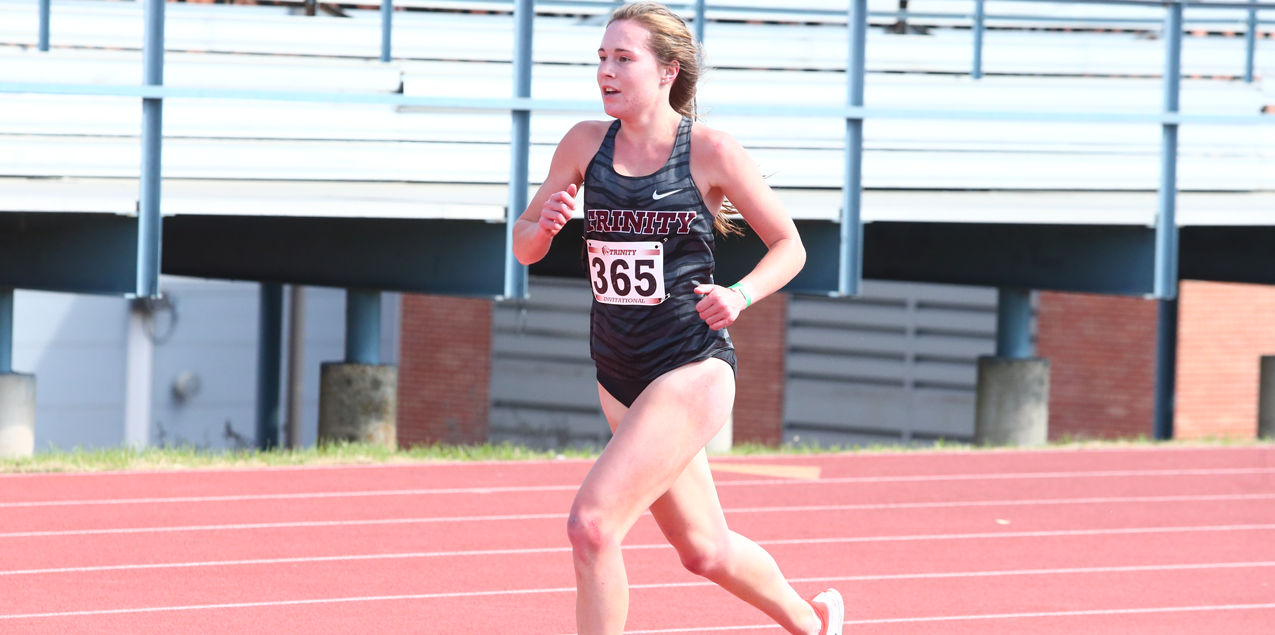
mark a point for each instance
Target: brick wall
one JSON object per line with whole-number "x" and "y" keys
{"x": 760, "y": 337}
{"x": 1102, "y": 364}
{"x": 1223, "y": 329}
{"x": 444, "y": 370}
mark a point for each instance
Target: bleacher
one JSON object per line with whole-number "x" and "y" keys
{"x": 308, "y": 161}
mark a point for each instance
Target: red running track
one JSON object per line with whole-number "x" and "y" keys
{"x": 1094, "y": 541}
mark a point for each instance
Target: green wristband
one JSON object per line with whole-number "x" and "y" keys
{"x": 739, "y": 286}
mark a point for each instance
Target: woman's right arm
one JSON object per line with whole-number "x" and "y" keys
{"x": 555, "y": 202}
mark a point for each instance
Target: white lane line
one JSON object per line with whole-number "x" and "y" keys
{"x": 667, "y": 585}
{"x": 282, "y": 525}
{"x": 1017, "y": 534}
{"x": 1185, "y": 498}
{"x": 573, "y": 487}
{"x": 994, "y": 616}
{"x": 539, "y": 550}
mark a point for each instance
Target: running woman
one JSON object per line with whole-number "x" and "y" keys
{"x": 655, "y": 182}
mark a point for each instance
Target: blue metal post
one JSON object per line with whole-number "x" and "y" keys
{"x": 1166, "y": 230}
{"x": 269, "y": 365}
{"x": 1166, "y": 364}
{"x": 1013, "y": 323}
{"x": 977, "y": 71}
{"x": 851, "y": 191}
{"x": 149, "y": 230}
{"x": 519, "y": 145}
{"x": 362, "y": 326}
{"x": 387, "y": 21}
{"x": 699, "y": 20}
{"x": 1250, "y": 44}
{"x": 45, "y": 10}
{"x": 1166, "y": 234}
{"x": 6, "y": 330}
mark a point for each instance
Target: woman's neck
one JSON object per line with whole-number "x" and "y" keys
{"x": 655, "y": 126}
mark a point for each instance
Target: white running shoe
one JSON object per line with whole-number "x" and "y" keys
{"x": 831, "y": 610}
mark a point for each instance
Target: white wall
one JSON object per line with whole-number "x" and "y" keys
{"x": 76, "y": 344}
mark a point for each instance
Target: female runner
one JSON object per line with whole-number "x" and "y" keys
{"x": 654, "y": 185}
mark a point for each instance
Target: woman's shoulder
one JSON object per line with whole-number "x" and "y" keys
{"x": 585, "y": 137}
{"x": 715, "y": 148}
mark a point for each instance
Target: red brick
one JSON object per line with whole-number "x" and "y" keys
{"x": 444, "y": 374}
{"x": 1102, "y": 364}
{"x": 1223, "y": 330}
{"x": 761, "y": 342}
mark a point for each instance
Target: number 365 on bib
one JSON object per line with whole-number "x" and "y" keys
{"x": 626, "y": 272}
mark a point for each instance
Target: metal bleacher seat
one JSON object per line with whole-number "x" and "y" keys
{"x": 382, "y": 160}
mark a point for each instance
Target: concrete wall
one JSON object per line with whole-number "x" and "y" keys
{"x": 76, "y": 346}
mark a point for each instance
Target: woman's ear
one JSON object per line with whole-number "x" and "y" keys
{"x": 670, "y": 72}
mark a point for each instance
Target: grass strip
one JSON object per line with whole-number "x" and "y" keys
{"x": 187, "y": 457}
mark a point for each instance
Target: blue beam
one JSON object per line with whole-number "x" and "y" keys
{"x": 699, "y": 20}
{"x": 1166, "y": 364}
{"x": 1113, "y": 259}
{"x": 269, "y": 365}
{"x": 6, "y": 330}
{"x": 387, "y": 21}
{"x": 45, "y": 10}
{"x": 362, "y": 326}
{"x": 852, "y": 188}
{"x": 1013, "y": 323}
{"x": 977, "y": 71}
{"x": 520, "y": 144}
{"x": 1250, "y": 45}
{"x": 149, "y": 220}
{"x": 1166, "y": 229}
{"x": 1166, "y": 234}
{"x": 482, "y": 104}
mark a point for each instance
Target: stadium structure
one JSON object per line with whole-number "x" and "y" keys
{"x": 1087, "y": 183}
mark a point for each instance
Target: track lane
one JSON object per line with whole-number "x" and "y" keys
{"x": 178, "y": 483}
{"x": 235, "y": 543}
{"x": 875, "y": 563}
{"x": 688, "y": 607}
{"x": 757, "y": 494}
{"x": 87, "y": 590}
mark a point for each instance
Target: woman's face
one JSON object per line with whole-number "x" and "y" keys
{"x": 630, "y": 77}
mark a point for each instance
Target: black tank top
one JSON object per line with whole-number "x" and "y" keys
{"x": 644, "y": 341}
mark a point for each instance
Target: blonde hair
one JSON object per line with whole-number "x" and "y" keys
{"x": 671, "y": 41}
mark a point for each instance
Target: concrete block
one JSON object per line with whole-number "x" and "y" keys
{"x": 724, "y": 440}
{"x": 1266, "y": 398}
{"x": 358, "y": 403}
{"x": 17, "y": 415}
{"x": 1012, "y": 403}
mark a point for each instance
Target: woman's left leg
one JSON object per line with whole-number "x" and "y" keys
{"x": 690, "y": 515}
{"x": 665, "y": 429}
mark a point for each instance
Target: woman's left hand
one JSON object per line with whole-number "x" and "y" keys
{"x": 720, "y": 306}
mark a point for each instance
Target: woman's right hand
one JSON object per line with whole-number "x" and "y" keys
{"x": 558, "y": 210}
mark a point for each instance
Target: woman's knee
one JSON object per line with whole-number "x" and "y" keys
{"x": 589, "y": 532}
{"x": 707, "y": 557}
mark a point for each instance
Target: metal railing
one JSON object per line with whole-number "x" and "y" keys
{"x": 978, "y": 20}
{"x": 520, "y": 106}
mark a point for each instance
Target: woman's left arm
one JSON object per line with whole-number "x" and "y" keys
{"x": 734, "y": 173}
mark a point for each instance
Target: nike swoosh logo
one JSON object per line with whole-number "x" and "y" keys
{"x": 657, "y": 196}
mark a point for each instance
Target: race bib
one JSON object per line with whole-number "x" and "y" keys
{"x": 627, "y": 273}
